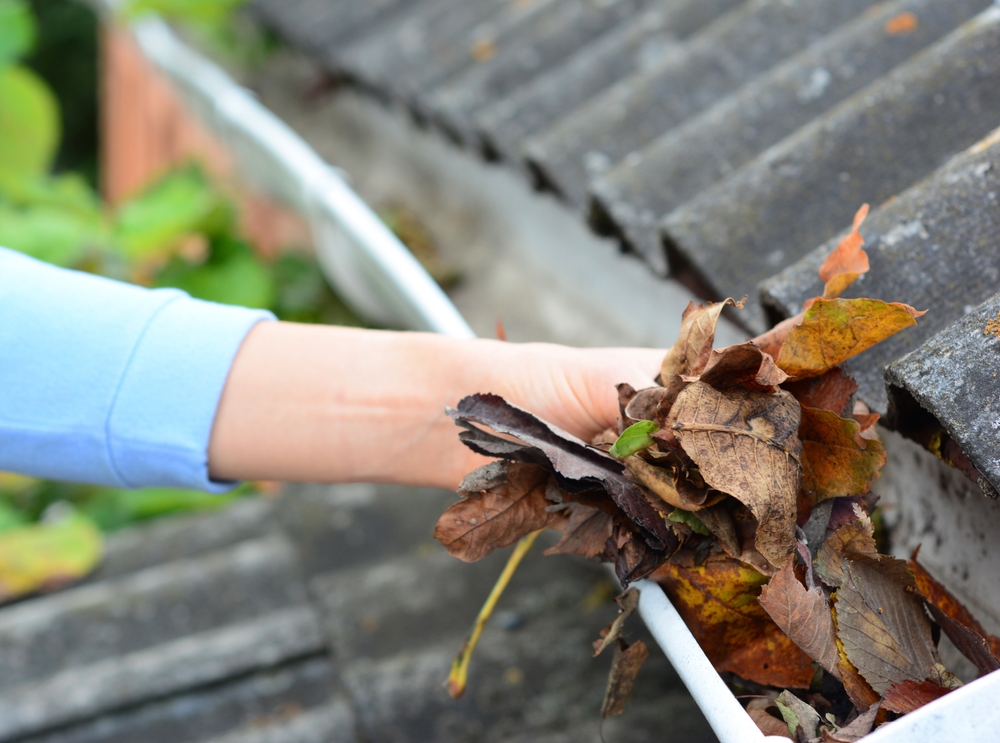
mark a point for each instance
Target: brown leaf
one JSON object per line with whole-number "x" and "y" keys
{"x": 855, "y": 730}
{"x": 745, "y": 444}
{"x": 907, "y": 696}
{"x": 861, "y": 694}
{"x": 718, "y": 602}
{"x": 576, "y": 466}
{"x": 743, "y": 365}
{"x": 831, "y": 391}
{"x": 834, "y": 330}
{"x": 663, "y": 482}
{"x": 628, "y": 602}
{"x": 803, "y": 615}
{"x": 624, "y": 668}
{"x": 691, "y": 351}
{"x": 855, "y": 539}
{"x": 769, "y": 724}
{"x": 719, "y": 520}
{"x": 836, "y": 460}
{"x": 586, "y": 534}
{"x": 885, "y": 633}
{"x": 636, "y": 560}
{"x": 956, "y": 620}
{"x": 501, "y": 502}
{"x": 803, "y": 721}
{"x": 650, "y": 404}
{"x": 847, "y": 262}
{"x": 772, "y": 341}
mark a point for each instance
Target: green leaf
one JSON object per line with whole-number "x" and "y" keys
{"x": 180, "y": 204}
{"x": 183, "y": 10}
{"x": 10, "y": 517}
{"x": 634, "y": 439}
{"x": 680, "y": 516}
{"x": 29, "y": 123}
{"x": 17, "y": 30}
{"x": 49, "y": 233}
{"x": 66, "y": 190}
{"x": 239, "y": 278}
{"x": 47, "y": 556}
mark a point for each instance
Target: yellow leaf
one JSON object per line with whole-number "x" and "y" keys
{"x": 834, "y": 330}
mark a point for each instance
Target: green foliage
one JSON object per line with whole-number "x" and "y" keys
{"x": 211, "y": 11}
{"x": 29, "y": 123}
{"x": 634, "y": 439}
{"x": 17, "y": 31}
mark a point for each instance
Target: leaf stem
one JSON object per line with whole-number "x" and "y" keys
{"x": 459, "y": 675}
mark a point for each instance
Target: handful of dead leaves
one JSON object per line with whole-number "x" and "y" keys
{"x": 741, "y": 484}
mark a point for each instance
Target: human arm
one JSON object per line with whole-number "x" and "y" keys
{"x": 326, "y": 404}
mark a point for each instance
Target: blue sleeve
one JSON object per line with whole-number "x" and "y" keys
{"x": 108, "y": 383}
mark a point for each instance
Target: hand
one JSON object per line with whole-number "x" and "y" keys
{"x": 326, "y": 404}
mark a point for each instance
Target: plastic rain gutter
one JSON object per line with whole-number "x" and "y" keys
{"x": 368, "y": 265}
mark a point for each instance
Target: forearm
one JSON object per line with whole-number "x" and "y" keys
{"x": 325, "y": 404}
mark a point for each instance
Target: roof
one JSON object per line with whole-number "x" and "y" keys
{"x": 327, "y": 615}
{"x": 728, "y": 144}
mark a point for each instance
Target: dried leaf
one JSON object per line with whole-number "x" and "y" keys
{"x": 743, "y": 365}
{"x": 48, "y": 556}
{"x": 768, "y": 724}
{"x": 650, "y": 404}
{"x": 956, "y": 620}
{"x": 628, "y": 602}
{"x": 831, "y": 391}
{"x": 855, "y": 539}
{"x": 885, "y": 633}
{"x": 721, "y": 524}
{"x": 586, "y": 534}
{"x": 634, "y": 439}
{"x": 624, "y": 668}
{"x": 576, "y": 465}
{"x": 501, "y": 502}
{"x": 718, "y": 601}
{"x": 907, "y": 696}
{"x": 836, "y": 460}
{"x": 834, "y": 330}
{"x": 662, "y": 482}
{"x": 745, "y": 444}
{"x": 802, "y": 720}
{"x": 847, "y": 262}
{"x": 693, "y": 347}
{"x": 858, "y": 728}
{"x": 636, "y": 560}
{"x": 859, "y": 691}
{"x": 803, "y": 615}
{"x": 772, "y": 341}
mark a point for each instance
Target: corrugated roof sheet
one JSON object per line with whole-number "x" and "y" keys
{"x": 723, "y": 142}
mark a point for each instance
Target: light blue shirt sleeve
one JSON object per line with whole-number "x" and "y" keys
{"x": 108, "y": 383}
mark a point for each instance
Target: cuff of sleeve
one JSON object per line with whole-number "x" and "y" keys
{"x": 171, "y": 388}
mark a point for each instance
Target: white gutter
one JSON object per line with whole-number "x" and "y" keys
{"x": 376, "y": 274}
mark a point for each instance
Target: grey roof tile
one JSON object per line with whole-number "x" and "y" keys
{"x": 541, "y": 41}
{"x": 713, "y": 63}
{"x": 426, "y": 43}
{"x": 262, "y": 701}
{"x": 933, "y": 247}
{"x": 805, "y": 189}
{"x": 317, "y": 23}
{"x": 165, "y": 629}
{"x": 630, "y": 199}
{"x": 635, "y": 44}
{"x": 955, "y": 378}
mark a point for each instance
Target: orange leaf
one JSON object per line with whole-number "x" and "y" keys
{"x": 904, "y": 23}
{"x": 718, "y": 601}
{"x": 834, "y": 330}
{"x": 847, "y": 261}
{"x": 910, "y": 695}
{"x": 836, "y": 460}
{"x": 831, "y": 391}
